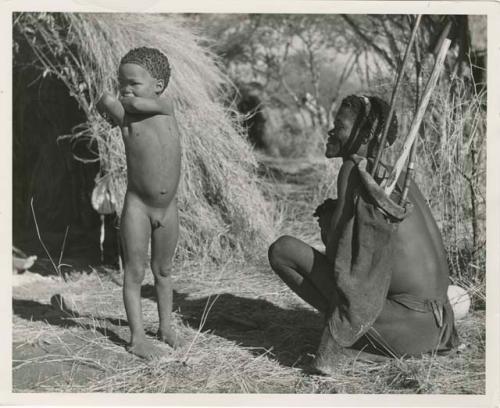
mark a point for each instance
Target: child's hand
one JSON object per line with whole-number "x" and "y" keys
{"x": 110, "y": 109}
{"x": 131, "y": 104}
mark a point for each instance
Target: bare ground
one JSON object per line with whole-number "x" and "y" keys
{"x": 247, "y": 332}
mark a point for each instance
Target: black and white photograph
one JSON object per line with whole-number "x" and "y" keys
{"x": 250, "y": 202}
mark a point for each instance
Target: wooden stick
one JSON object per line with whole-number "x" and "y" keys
{"x": 388, "y": 120}
{"x": 411, "y": 161}
{"x": 391, "y": 182}
{"x": 409, "y": 174}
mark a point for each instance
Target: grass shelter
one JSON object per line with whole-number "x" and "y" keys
{"x": 61, "y": 64}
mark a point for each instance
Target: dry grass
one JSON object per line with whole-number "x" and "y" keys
{"x": 221, "y": 206}
{"x": 247, "y": 332}
{"x": 252, "y": 341}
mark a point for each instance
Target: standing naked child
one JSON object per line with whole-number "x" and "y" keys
{"x": 152, "y": 147}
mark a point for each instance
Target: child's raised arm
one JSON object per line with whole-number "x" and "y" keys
{"x": 110, "y": 107}
{"x": 151, "y": 106}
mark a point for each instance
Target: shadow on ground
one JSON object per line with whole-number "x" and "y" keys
{"x": 256, "y": 324}
{"x": 35, "y": 311}
{"x": 288, "y": 334}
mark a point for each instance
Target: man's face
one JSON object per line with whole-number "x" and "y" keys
{"x": 338, "y": 136}
{"x": 136, "y": 81}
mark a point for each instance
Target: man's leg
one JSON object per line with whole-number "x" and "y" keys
{"x": 306, "y": 271}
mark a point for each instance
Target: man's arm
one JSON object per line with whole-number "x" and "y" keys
{"x": 324, "y": 212}
{"x": 147, "y": 106}
{"x": 347, "y": 182}
{"x": 111, "y": 108}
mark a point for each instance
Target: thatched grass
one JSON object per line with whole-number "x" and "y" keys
{"x": 247, "y": 332}
{"x": 222, "y": 210}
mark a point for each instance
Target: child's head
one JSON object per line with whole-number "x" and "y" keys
{"x": 144, "y": 72}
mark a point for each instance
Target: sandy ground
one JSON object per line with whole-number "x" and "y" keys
{"x": 258, "y": 337}
{"x": 246, "y": 331}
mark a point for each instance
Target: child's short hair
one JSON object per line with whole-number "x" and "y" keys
{"x": 152, "y": 60}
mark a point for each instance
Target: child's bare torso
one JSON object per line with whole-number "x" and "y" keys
{"x": 153, "y": 153}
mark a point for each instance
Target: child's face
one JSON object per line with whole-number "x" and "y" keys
{"x": 134, "y": 80}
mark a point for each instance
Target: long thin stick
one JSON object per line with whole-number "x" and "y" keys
{"x": 411, "y": 161}
{"x": 393, "y": 97}
{"x": 391, "y": 182}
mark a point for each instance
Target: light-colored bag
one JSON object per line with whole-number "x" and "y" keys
{"x": 103, "y": 195}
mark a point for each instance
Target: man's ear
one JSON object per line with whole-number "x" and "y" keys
{"x": 371, "y": 131}
{"x": 159, "y": 86}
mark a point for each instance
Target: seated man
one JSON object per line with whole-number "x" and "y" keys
{"x": 396, "y": 269}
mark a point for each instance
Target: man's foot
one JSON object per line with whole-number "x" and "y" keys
{"x": 145, "y": 349}
{"x": 171, "y": 337}
{"x": 323, "y": 366}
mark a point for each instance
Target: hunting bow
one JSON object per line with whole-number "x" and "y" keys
{"x": 388, "y": 120}
{"x": 415, "y": 125}
{"x": 411, "y": 160}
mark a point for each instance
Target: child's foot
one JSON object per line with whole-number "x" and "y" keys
{"x": 171, "y": 337}
{"x": 145, "y": 349}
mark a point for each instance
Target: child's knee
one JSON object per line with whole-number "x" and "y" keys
{"x": 134, "y": 273}
{"x": 162, "y": 271}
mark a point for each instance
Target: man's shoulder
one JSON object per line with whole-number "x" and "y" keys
{"x": 348, "y": 165}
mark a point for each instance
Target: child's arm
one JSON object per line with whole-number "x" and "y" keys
{"x": 147, "y": 106}
{"x": 111, "y": 107}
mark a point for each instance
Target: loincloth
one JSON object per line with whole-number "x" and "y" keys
{"x": 443, "y": 316}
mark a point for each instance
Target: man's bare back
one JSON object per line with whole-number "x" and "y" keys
{"x": 416, "y": 316}
{"x": 419, "y": 262}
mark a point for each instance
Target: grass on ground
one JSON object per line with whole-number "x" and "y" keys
{"x": 247, "y": 332}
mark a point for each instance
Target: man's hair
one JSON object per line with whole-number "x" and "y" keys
{"x": 152, "y": 60}
{"x": 378, "y": 110}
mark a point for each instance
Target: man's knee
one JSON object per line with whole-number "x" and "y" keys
{"x": 279, "y": 251}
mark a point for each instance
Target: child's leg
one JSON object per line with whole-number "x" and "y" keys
{"x": 165, "y": 230}
{"x": 135, "y": 232}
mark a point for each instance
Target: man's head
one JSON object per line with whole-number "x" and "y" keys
{"x": 143, "y": 72}
{"x": 358, "y": 126}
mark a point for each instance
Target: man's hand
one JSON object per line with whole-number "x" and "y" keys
{"x": 324, "y": 212}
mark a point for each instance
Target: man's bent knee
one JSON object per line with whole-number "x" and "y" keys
{"x": 279, "y": 251}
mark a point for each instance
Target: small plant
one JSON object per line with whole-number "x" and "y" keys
{"x": 57, "y": 267}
